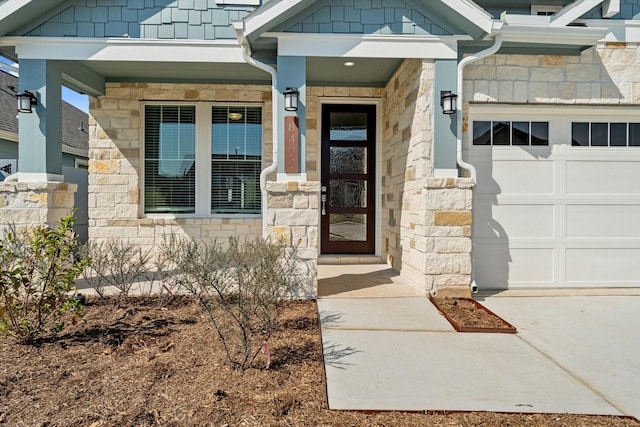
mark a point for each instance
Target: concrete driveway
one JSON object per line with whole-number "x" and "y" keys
{"x": 572, "y": 354}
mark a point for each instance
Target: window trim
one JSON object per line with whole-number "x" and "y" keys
{"x": 559, "y": 117}
{"x": 203, "y": 115}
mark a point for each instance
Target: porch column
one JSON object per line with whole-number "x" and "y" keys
{"x": 40, "y": 133}
{"x": 38, "y": 196}
{"x": 293, "y": 202}
{"x": 292, "y": 72}
{"x": 444, "y": 125}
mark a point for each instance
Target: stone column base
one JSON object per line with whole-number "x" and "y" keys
{"x": 294, "y": 217}
{"x": 35, "y": 203}
{"x": 449, "y": 215}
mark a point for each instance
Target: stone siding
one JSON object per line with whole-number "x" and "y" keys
{"x": 35, "y": 203}
{"x": 294, "y": 218}
{"x": 605, "y": 75}
{"x": 406, "y": 164}
{"x": 448, "y": 235}
{"x": 115, "y": 143}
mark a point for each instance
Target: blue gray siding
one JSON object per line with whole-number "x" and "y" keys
{"x": 151, "y": 19}
{"x": 367, "y": 17}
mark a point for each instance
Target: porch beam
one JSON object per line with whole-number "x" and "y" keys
{"x": 367, "y": 46}
{"x": 82, "y": 79}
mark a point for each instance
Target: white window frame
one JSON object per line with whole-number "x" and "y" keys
{"x": 547, "y": 10}
{"x": 81, "y": 163}
{"x": 558, "y": 116}
{"x": 202, "y": 160}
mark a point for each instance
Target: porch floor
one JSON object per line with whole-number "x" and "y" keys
{"x": 386, "y": 347}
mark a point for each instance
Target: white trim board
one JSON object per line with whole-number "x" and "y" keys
{"x": 367, "y": 46}
{"x": 115, "y": 49}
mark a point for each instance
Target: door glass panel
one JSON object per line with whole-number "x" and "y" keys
{"x": 348, "y": 126}
{"x": 348, "y": 160}
{"x": 348, "y": 227}
{"x": 348, "y": 194}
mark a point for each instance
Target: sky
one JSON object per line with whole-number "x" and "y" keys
{"x": 79, "y": 101}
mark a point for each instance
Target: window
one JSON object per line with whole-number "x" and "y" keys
{"x": 605, "y": 134}
{"x": 236, "y": 145}
{"x": 179, "y": 140}
{"x": 507, "y": 133}
{"x": 81, "y": 163}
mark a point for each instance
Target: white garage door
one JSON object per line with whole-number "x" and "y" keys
{"x": 558, "y": 215}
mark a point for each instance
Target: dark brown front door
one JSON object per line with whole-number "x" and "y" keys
{"x": 348, "y": 179}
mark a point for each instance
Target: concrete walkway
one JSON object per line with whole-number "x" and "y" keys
{"x": 571, "y": 355}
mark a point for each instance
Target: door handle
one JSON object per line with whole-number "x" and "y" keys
{"x": 323, "y": 199}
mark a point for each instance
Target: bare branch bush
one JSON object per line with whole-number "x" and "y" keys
{"x": 116, "y": 263}
{"x": 240, "y": 286}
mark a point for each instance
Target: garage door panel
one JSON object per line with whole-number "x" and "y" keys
{"x": 603, "y": 265}
{"x": 497, "y": 265}
{"x": 515, "y": 177}
{"x": 598, "y": 177}
{"x": 514, "y": 221}
{"x": 531, "y": 265}
{"x": 605, "y": 221}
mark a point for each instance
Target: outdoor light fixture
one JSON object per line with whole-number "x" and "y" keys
{"x": 291, "y": 99}
{"x": 26, "y": 100}
{"x": 448, "y": 101}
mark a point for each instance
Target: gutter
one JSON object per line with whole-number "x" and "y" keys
{"x": 461, "y": 65}
{"x": 239, "y": 28}
{"x": 472, "y": 170}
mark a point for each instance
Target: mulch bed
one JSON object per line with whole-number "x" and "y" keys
{"x": 140, "y": 364}
{"x": 468, "y": 315}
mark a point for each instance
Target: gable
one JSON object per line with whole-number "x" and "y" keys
{"x": 159, "y": 19}
{"x": 366, "y": 17}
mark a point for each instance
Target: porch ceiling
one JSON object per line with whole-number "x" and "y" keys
{"x": 196, "y": 72}
{"x": 365, "y": 71}
{"x": 320, "y": 71}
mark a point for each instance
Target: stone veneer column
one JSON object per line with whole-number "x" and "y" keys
{"x": 293, "y": 216}
{"x": 448, "y": 233}
{"x": 35, "y": 203}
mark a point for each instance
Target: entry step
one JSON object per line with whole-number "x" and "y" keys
{"x": 349, "y": 259}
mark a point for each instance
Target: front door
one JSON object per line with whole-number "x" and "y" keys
{"x": 348, "y": 179}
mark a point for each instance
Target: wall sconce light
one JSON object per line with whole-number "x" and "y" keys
{"x": 26, "y": 100}
{"x": 291, "y": 99}
{"x": 448, "y": 102}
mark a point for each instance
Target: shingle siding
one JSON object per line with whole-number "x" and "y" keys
{"x": 366, "y": 17}
{"x": 166, "y": 19}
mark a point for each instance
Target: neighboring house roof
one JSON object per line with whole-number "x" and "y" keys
{"x": 74, "y": 122}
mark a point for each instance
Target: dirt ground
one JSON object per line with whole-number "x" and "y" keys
{"x": 468, "y": 314}
{"x": 140, "y": 364}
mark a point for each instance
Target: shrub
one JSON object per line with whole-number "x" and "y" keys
{"x": 38, "y": 270}
{"x": 239, "y": 285}
{"x": 115, "y": 263}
